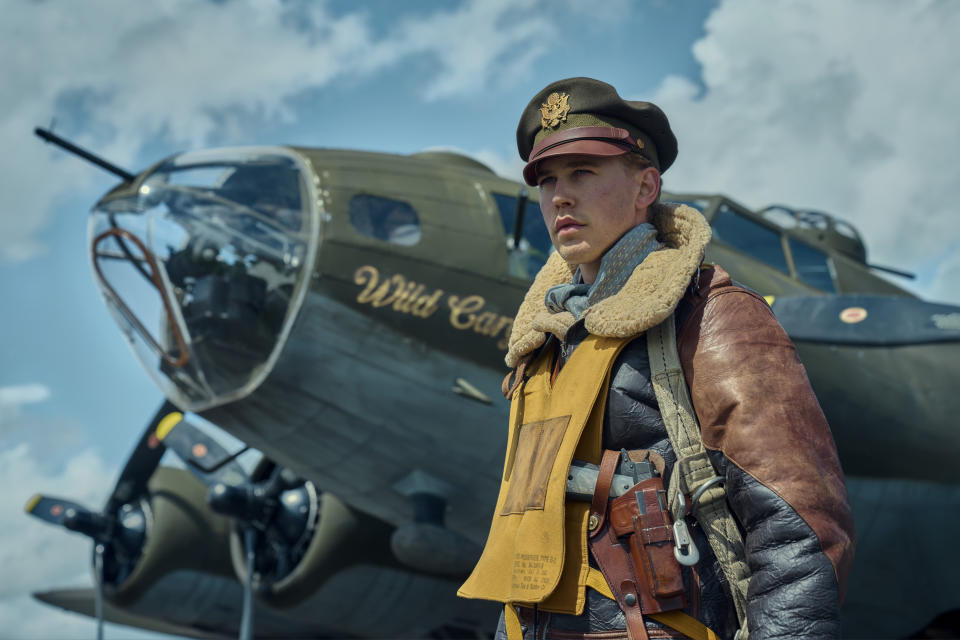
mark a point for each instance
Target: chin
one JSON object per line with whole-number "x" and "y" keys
{"x": 576, "y": 255}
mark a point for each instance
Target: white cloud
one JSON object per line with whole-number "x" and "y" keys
{"x": 35, "y": 556}
{"x": 14, "y": 396}
{"x": 846, "y": 107}
{"x": 129, "y": 73}
{"x": 506, "y": 167}
{"x": 475, "y": 40}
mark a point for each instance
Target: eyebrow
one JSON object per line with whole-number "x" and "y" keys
{"x": 579, "y": 162}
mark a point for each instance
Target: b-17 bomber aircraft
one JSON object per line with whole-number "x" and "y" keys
{"x": 346, "y": 314}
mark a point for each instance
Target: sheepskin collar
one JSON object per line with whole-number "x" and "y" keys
{"x": 648, "y": 297}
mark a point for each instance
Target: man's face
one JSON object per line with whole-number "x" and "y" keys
{"x": 588, "y": 203}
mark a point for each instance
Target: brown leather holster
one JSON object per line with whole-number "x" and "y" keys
{"x": 633, "y": 547}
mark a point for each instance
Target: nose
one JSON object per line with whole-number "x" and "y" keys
{"x": 561, "y": 196}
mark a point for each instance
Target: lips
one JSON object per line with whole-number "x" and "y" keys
{"x": 566, "y": 224}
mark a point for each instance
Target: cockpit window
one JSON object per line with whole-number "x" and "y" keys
{"x": 392, "y": 221}
{"x": 746, "y": 235}
{"x": 535, "y": 244}
{"x": 813, "y": 266}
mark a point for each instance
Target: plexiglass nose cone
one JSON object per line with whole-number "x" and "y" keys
{"x": 205, "y": 265}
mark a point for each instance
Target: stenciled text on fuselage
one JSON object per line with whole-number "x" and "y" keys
{"x": 466, "y": 313}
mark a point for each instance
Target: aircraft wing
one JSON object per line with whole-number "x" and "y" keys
{"x": 868, "y": 320}
{"x": 83, "y": 600}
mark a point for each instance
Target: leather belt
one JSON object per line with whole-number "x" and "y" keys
{"x": 546, "y": 631}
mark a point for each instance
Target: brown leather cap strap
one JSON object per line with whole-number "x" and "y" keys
{"x": 611, "y": 135}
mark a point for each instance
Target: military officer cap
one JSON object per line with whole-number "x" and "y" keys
{"x": 584, "y": 116}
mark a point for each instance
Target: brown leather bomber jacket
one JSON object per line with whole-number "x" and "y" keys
{"x": 755, "y": 406}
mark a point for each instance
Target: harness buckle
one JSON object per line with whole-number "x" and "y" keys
{"x": 715, "y": 480}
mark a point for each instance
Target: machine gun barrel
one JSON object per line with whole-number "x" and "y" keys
{"x": 50, "y": 136}
{"x": 896, "y": 272}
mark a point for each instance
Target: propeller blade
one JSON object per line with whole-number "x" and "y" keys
{"x": 246, "y": 621}
{"x": 867, "y": 320}
{"x": 142, "y": 462}
{"x": 51, "y": 509}
{"x": 131, "y": 484}
{"x": 203, "y": 455}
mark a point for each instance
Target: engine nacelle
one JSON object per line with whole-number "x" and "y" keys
{"x": 312, "y": 535}
{"x": 180, "y": 533}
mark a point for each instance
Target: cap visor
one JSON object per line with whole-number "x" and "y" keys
{"x": 572, "y": 148}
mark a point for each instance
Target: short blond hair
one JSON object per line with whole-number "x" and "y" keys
{"x": 637, "y": 162}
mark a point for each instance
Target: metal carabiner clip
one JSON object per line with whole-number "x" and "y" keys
{"x": 684, "y": 550}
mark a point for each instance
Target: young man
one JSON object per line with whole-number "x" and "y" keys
{"x": 625, "y": 297}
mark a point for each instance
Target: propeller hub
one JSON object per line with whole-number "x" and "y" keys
{"x": 91, "y": 524}
{"x": 242, "y": 502}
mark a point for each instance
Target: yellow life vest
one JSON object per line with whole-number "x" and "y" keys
{"x": 536, "y": 551}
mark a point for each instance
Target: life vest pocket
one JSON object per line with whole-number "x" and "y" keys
{"x": 529, "y": 470}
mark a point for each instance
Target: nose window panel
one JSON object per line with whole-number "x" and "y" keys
{"x": 204, "y": 268}
{"x": 133, "y": 249}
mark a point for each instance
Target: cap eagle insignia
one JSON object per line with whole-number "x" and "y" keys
{"x": 554, "y": 110}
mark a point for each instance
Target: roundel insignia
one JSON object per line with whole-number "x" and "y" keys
{"x": 56, "y": 509}
{"x": 853, "y": 315}
{"x": 199, "y": 450}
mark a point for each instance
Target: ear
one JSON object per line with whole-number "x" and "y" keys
{"x": 648, "y": 183}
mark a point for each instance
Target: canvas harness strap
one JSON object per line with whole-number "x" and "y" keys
{"x": 693, "y": 472}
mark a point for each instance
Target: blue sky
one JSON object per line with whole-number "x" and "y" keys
{"x": 844, "y": 107}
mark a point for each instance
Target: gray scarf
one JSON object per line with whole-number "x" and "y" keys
{"x": 616, "y": 266}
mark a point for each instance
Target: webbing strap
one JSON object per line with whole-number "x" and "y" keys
{"x": 685, "y": 624}
{"x": 676, "y": 620}
{"x": 511, "y": 620}
{"x": 598, "y": 583}
{"x": 693, "y": 467}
